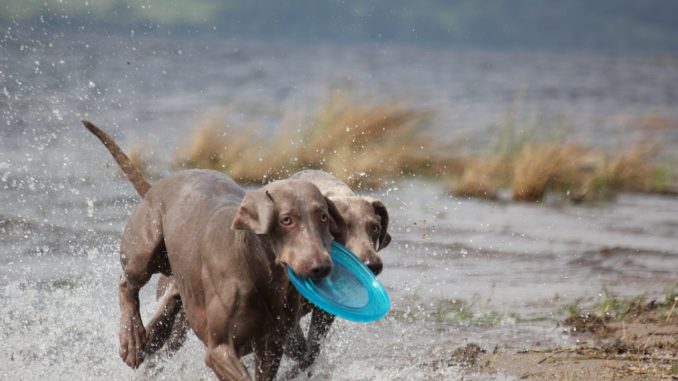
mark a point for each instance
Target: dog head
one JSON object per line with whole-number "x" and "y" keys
{"x": 367, "y": 228}
{"x": 300, "y": 222}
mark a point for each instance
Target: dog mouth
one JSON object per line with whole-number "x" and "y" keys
{"x": 316, "y": 273}
{"x": 375, "y": 266}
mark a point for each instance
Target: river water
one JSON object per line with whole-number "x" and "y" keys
{"x": 508, "y": 267}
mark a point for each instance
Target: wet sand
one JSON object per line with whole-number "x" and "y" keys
{"x": 639, "y": 346}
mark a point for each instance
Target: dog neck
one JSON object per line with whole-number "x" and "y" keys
{"x": 269, "y": 276}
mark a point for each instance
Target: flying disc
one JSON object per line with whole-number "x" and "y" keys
{"x": 350, "y": 292}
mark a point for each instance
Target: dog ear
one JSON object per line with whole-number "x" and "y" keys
{"x": 255, "y": 213}
{"x": 337, "y": 223}
{"x": 380, "y": 210}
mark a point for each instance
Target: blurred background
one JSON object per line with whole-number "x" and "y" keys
{"x": 525, "y": 150}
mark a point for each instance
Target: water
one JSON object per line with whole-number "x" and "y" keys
{"x": 512, "y": 266}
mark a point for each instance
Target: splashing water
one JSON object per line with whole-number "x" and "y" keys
{"x": 458, "y": 271}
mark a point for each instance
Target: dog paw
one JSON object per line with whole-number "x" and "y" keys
{"x": 132, "y": 340}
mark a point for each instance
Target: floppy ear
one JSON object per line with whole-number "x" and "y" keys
{"x": 255, "y": 213}
{"x": 337, "y": 223}
{"x": 380, "y": 210}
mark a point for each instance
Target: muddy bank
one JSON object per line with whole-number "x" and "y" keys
{"x": 640, "y": 343}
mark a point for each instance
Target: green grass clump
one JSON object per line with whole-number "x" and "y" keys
{"x": 458, "y": 312}
{"x": 612, "y": 307}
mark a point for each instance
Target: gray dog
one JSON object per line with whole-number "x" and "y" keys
{"x": 367, "y": 225}
{"x": 367, "y": 221}
{"x": 226, "y": 250}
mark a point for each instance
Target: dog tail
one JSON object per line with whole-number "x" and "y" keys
{"x": 141, "y": 185}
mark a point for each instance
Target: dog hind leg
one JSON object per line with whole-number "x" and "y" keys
{"x": 142, "y": 253}
{"x": 159, "y": 329}
{"x": 169, "y": 326}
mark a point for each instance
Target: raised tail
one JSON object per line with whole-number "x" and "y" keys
{"x": 141, "y": 185}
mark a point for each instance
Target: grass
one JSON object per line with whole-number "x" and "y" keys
{"x": 482, "y": 176}
{"x": 368, "y": 146}
{"x": 453, "y": 312}
{"x": 539, "y": 168}
{"x": 461, "y": 313}
{"x": 364, "y": 146}
{"x": 611, "y": 308}
{"x": 641, "y": 334}
{"x": 576, "y": 171}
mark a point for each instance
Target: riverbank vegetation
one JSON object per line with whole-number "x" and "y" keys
{"x": 370, "y": 146}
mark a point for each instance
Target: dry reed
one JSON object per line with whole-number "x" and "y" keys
{"x": 578, "y": 172}
{"x": 363, "y": 146}
{"x": 369, "y": 146}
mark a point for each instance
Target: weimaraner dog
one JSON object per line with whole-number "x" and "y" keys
{"x": 366, "y": 219}
{"x": 367, "y": 223}
{"x": 227, "y": 250}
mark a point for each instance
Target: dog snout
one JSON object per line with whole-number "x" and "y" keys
{"x": 321, "y": 270}
{"x": 374, "y": 264}
{"x": 321, "y": 263}
{"x": 319, "y": 266}
{"x": 369, "y": 257}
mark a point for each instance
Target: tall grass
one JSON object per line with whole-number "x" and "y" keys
{"x": 364, "y": 146}
{"x": 481, "y": 176}
{"x": 578, "y": 172}
{"x": 367, "y": 146}
{"x": 542, "y": 167}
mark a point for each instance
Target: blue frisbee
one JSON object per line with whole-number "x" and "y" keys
{"x": 351, "y": 292}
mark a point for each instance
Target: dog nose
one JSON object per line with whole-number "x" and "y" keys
{"x": 321, "y": 270}
{"x": 375, "y": 265}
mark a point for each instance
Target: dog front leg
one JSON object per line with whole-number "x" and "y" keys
{"x": 295, "y": 345}
{"x": 225, "y": 363}
{"x": 321, "y": 322}
{"x": 267, "y": 359}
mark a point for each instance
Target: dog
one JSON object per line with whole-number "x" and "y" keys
{"x": 226, "y": 250}
{"x": 367, "y": 223}
{"x": 367, "y": 220}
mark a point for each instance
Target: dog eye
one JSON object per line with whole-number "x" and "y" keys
{"x": 323, "y": 217}
{"x": 287, "y": 221}
{"x": 375, "y": 229}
